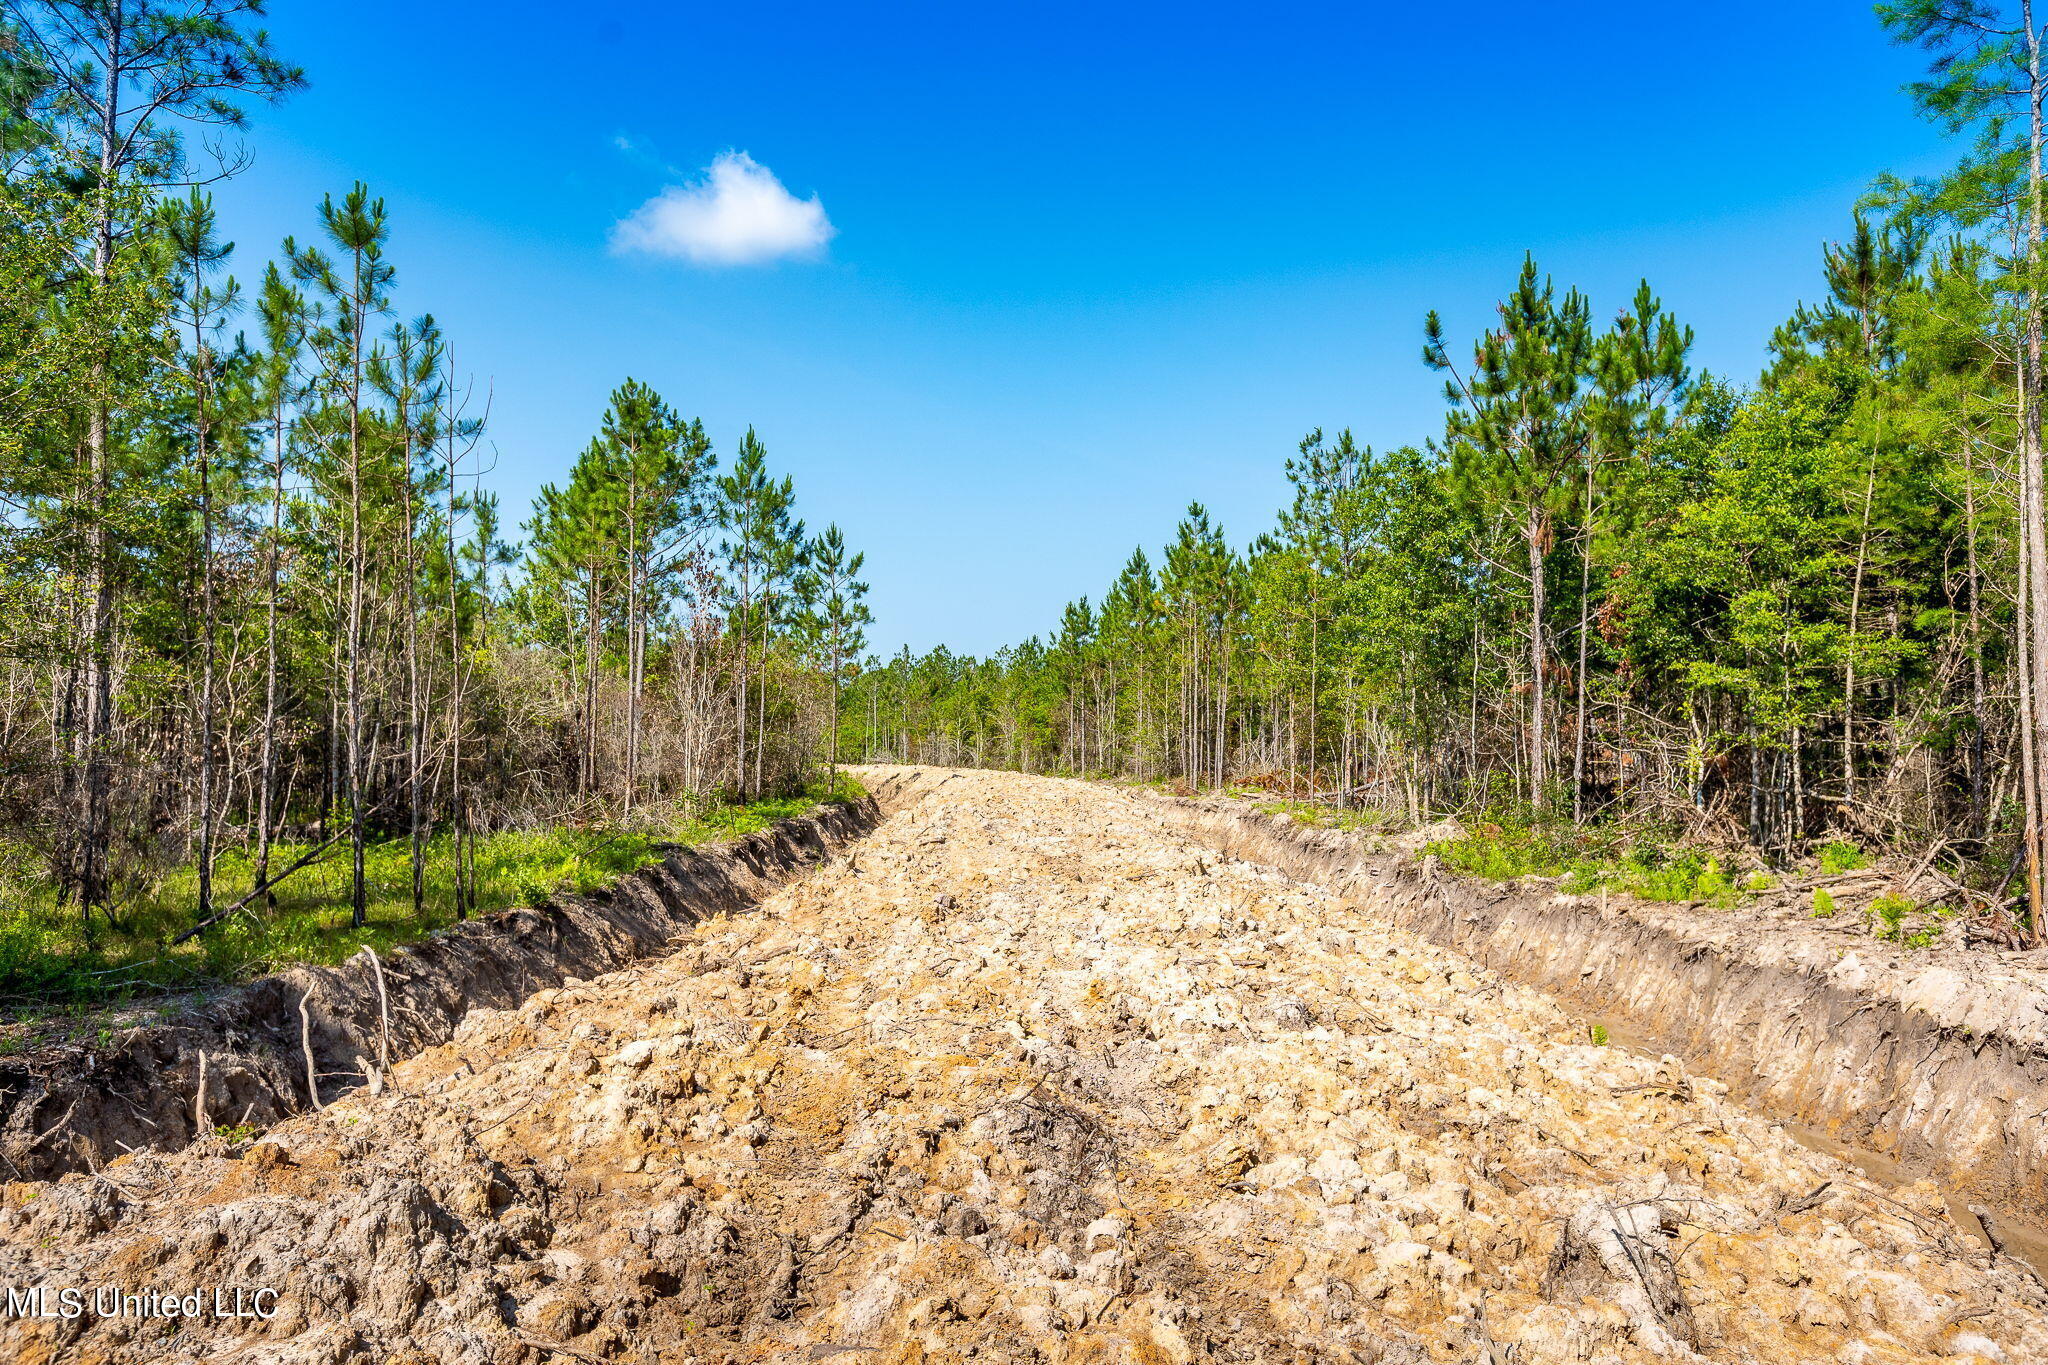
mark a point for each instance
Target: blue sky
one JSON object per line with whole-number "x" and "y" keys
{"x": 1088, "y": 262}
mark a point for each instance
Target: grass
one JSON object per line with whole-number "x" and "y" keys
{"x": 1839, "y": 855}
{"x": 1328, "y": 817}
{"x": 47, "y": 964}
{"x": 1505, "y": 843}
{"x": 1508, "y": 843}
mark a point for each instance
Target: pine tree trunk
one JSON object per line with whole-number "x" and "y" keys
{"x": 761, "y": 715}
{"x": 1855, "y": 622}
{"x": 358, "y": 893}
{"x": 206, "y": 613}
{"x": 2035, "y": 656}
{"x": 415, "y": 679}
{"x": 95, "y": 736}
{"x": 1977, "y": 805}
{"x": 1585, "y": 627}
{"x": 457, "y": 812}
{"x": 1472, "y": 730}
{"x": 266, "y": 764}
{"x": 633, "y": 631}
{"x": 1539, "y": 737}
{"x": 590, "y": 624}
{"x": 739, "y": 774}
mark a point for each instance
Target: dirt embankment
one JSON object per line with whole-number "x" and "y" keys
{"x": 79, "y": 1106}
{"x": 1936, "y": 1058}
{"x": 1032, "y": 1074}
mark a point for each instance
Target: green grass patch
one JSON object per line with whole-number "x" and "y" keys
{"x": 1888, "y": 913}
{"x": 1328, "y": 817}
{"x": 1503, "y": 845}
{"x": 48, "y": 964}
{"x": 1839, "y": 855}
{"x": 1506, "y": 845}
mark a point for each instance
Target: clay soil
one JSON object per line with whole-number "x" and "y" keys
{"x": 1026, "y": 1075}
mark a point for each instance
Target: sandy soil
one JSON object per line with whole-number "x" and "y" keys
{"x": 1026, "y": 1076}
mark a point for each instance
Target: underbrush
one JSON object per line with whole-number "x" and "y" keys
{"x": 1654, "y": 865}
{"x": 47, "y": 962}
{"x": 1330, "y": 817}
{"x": 1509, "y": 842}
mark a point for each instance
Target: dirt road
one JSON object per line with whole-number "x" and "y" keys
{"x": 1025, "y": 1077}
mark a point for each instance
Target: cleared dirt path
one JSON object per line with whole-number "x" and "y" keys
{"x": 1026, "y": 1076}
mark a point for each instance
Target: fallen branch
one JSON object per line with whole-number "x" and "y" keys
{"x": 269, "y": 884}
{"x": 45, "y": 1135}
{"x": 383, "y": 1013}
{"x": 1904, "y": 886}
{"x": 555, "y": 1348}
{"x": 306, "y": 1042}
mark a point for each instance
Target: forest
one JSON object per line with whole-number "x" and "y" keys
{"x": 278, "y": 680}
{"x": 283, "y": 678}
{"x": 1789, "y": 610}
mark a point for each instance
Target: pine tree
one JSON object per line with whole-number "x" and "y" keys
{"x": 1985, "y": 74}
{"x": 459, "y": 434}
{"x": 1641, "y": 375}
{"x": 282, "y": 314}
{"x": 763, "y": 546}
{"x": 355, "y": 283}
{"x": 662, "y": 464}
{"x": 408, "y": 376}
{"x": 115, "y": 83}
{"x": 577, "y": 539}
{"x": 837, "y": 614}
{"x": 1517, "y": 431}
{"x": 202, "y": 309}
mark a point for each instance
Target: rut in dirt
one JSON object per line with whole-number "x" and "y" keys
{"x": 1026, "y": 1075}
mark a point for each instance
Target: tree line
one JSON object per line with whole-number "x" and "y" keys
{"x": 254, "y": 586}
{"x": 1811, "y": 605}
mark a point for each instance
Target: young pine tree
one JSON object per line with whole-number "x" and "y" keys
{"x": 1517, "y": 432}
{"x": 202, "y": 309}
{"x": 355, "y": 284}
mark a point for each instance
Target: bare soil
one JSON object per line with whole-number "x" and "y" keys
{"x": 1933, "y": 1058}
{"x": 1030, "y": 1074}
{"x": 135, "y": 1080}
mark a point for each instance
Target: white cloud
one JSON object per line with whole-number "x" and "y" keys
{"x": 736, "y": 213}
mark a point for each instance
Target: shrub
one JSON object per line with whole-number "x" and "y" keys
{"x": 1839, "y": 855}
{"x": 1823, "y": 903}
{"x": 1369, "y": 819}
{"x": 1655, "y": 876}
{"x": 1891, "y": 910}
{"x": 1509, "y": 841}
{"x": 1713, "y": 886}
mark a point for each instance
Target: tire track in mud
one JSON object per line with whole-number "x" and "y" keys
{"x": 1027, "y": 1076}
